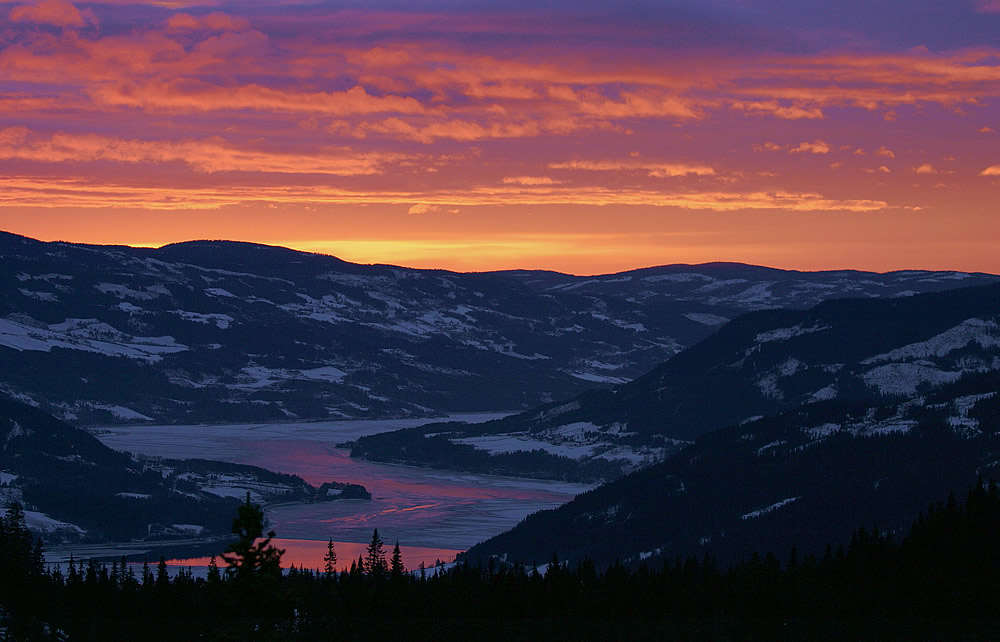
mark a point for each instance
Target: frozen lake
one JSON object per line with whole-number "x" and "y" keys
{"x": 420, "y": 507}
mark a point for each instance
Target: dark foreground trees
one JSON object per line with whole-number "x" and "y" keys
{"x": 939, "y": 583}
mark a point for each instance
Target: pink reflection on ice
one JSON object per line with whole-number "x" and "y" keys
{"x": 424, "y": 507}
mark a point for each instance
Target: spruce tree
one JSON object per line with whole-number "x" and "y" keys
{"x": 255, "y": 566}
{"x": 396, "y": 568}
{"x": 214, "y": 577}
{"x": 375, "y": 556}
{"x": 330, "y": 559}
{"x": 252, "y": 554}
{"x": 162, "y": 576}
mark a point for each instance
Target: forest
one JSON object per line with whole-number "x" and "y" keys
{"x": 937, "y": 582}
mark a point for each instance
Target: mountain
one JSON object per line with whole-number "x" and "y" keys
{"x": 76, "y": 488}
{"x": 215, "y": 331}
{"x": 801, "y": 479}
{"x": 760, "y": 364}
{"x": 910, "y": 412}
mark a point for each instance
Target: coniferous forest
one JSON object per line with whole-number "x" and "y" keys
{"x": 938, "y": 582}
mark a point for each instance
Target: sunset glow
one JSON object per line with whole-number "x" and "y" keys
{"x": 308, "y": 554}
{"x": 480, "y": 136}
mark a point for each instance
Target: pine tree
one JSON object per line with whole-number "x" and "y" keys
{"x": 375, "y": 556}
{"x": 330, "y": 559}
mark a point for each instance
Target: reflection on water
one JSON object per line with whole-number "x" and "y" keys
{"x": 417, "y": 506}
{"x": 309, "y": 554}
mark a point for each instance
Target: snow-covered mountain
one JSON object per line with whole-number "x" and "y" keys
{"x": 760, "y": 364}
{"x": 804, "y": 478}
{"x": 223, "y": 331}
{"x": 873, "y": 409}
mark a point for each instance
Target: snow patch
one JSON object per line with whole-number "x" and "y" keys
{"x": 773, "y": 507}
{"x": 589, "y": 376}
{"x": 985, "y": 333}
{"x": 37, "y": 521}
{"x": 706, "y": 319}
{"x": 902, "y": 379}
{"x": 39, "y": 296}
{"x": 681, "y": 277}
{"x": 784, "y": 334}
{"x": 773, "y": 444}
{"x": 151, "y": 292}
{"x": 823, "y": 394}
{"x": 123, "y": 413}
{"x": 88, "y": 335}
{"x": 818, "y": 432}
{"x": 221, "y": 321}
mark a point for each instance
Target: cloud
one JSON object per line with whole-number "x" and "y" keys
{"x": 993, "y": 170}
{"x": 653, "y": 170}
{"x": 453, "y": 129}
{"x": 423, "y": 208}
{"x": 215, "y": 21}
{"x": 83, "y": 193}
{"x": 773, "y": 108}
{"x": 986, "y": 130}
{"x": 988, "y": 6}
{"x": 210, "y": 155}
{"x": 529, "y": 180}
{"x": 815, "y": 147}
{"x": 767, "y": 147}
{"x": 59, "y": 13}
{"x": 192, "y": 96}
{"x": 925, "y": 168}
{"x": 885, "y": 151}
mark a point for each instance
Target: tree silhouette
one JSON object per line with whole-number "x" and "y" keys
{"x": 255, "y": 565}
{"x": 252, "y": 555}
{"x": 330, "y": 559}
{"x": 375, "y": 556}
{"x": 396, "y": 568}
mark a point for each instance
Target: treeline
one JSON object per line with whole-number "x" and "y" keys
{"x": 939, "y": 582}
{"x": 413, "y": 447}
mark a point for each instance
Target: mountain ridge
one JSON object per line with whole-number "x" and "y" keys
{"x": 210, "y": 331}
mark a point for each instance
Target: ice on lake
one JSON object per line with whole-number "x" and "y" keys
{"x": 418, "y": 506}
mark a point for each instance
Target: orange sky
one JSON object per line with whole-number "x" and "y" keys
{"x": 489, "y": 137}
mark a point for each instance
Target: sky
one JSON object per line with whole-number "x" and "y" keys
{"x": 586, "y": 137}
